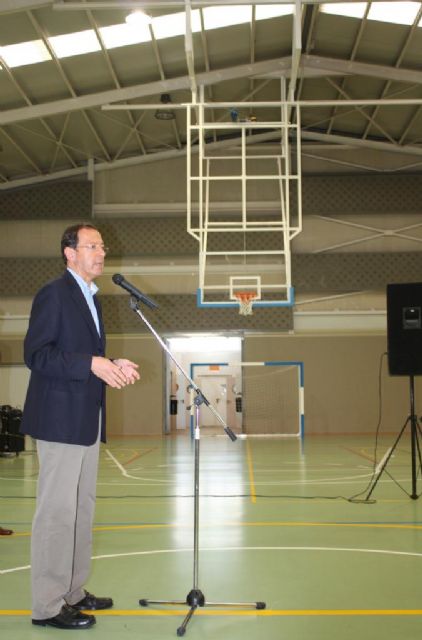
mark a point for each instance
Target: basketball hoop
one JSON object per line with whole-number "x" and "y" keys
{"x": 245, "y": 300}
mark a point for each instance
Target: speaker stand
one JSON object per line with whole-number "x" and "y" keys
{"x": 415, "y": 435}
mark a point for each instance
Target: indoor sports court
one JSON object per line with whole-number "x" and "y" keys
{"x": 251, "y": 175}
{"x": 275, "y": 526}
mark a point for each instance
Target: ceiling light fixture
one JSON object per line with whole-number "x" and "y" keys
{"x": 165, "y": 113}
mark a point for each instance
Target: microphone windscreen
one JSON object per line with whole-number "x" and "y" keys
{"x": 117, "y": 278}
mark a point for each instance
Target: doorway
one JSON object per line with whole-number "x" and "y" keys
{"x": 200, "y": 356}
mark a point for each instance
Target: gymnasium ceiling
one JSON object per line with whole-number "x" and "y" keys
{"x": 364, "y": 72}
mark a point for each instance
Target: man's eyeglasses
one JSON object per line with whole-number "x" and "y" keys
{"x": 93, "y": 247}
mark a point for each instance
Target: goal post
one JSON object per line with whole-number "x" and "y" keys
{"x": 256, "y": 399}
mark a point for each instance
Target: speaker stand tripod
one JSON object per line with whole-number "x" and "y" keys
{"x": 195, "y": 597}
{"x": 415, "y": 449}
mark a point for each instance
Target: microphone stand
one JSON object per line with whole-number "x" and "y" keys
{"x": 195, "y": 597}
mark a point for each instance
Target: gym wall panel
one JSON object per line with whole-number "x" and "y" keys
{"x": 322, "y": 194}
{"x": 341, "y": 380}
{"x": 64, "y": 200}
{"x": 362, "y": 194}
{"x": 311, "y": 272}
{"x": 137, "y": 409}
{"x": 13, "y": 384}
{"x": 181, "y": 314}
{"x": 11, "y": 350}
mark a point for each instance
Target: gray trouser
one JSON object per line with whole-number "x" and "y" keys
{"x": 62, "y": 526}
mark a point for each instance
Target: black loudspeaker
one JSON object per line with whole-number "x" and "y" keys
{"x": 404, "y": 329}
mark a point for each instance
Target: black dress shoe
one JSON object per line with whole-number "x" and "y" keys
{"x": 92, "y": 602}
{"x": 68, "y": 618}
{"x": 5, "y": 532}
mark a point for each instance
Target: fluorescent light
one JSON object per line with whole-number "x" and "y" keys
{"x": 18, "y": 55}
{"x": 265, "y": 11}
{"x": 204, "y": 344}
{"x": 120, "y": 35}
{"x": 174, "y": 24}
{"x": 217, "y": 17}
{"x": 396, "y": 12}
{"x": 73, "y": 44}
{"x": 348, "y": 9}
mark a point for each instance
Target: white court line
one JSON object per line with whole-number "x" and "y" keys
{"x": 219, "y": 549}
{"x": 153, "y": 552}
{"x": 245, "y": 483}
{"x": 128, "y": 475}
{"x": 14, "y": 569}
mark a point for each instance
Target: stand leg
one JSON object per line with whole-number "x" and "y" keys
{"x": 384, "y": 464}
{"x": 415, "y": 433}
{"x": 413, "y": 437}
{"x": 182, "y": 629}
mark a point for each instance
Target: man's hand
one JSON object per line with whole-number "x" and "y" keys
{"x": 129, "y": 370}
{"x": 110, "y": 372}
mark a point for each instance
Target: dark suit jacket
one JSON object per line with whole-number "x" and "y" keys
{"x": 64, "y": 397}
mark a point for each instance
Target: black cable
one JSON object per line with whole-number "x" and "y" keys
{"x": 377, "y": 432}
{"x": 203, "y": 495}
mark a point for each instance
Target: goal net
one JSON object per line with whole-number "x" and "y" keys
{"x": 254, "y": 398}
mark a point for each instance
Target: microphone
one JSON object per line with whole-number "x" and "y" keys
{"x": 119, "y": 279}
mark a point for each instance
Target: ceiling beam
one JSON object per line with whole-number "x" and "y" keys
{"x": 143, "y": 90}
{"x": 278, "y": 66}
{"x": 296, "y": 50}
{"x": 364, "y": 143}
{"x": 12, "y": 6}
{"x": 162, "y": 4}
{"x": 351, "y": 67}
{"x": 132, "y": 161}
{"x": 42, "y": 34}
{"x": 327, "y": 139}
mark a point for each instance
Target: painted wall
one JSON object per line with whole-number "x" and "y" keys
{"x": 13, "y": 384}
{"x": 341, "y": 380}
{"x": 138, "y": 409}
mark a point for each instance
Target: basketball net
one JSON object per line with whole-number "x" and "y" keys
{"x": 245, "y": 300}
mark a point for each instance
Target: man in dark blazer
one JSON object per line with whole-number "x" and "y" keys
{"x": 65, "y": 412}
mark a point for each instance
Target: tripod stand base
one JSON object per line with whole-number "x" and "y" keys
{"x": 195, "y": 599}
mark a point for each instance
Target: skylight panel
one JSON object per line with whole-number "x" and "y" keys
{"x": 138, "y": 18}
{"x": 18, "y": 55}
{"x": 121, "y": 35}
{"x": 174, "y": 24}
{"x": 396, "y": 12}
{"x": 74, "y": 44}
{"x": 226, "y": 16}
{"x": 265, "y": 11}
{"x": 348, "y": 9}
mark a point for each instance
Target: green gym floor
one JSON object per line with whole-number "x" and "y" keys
{"x": 275, "y": 526}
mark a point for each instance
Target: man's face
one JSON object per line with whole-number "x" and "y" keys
{"x": 87, "y": 260}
